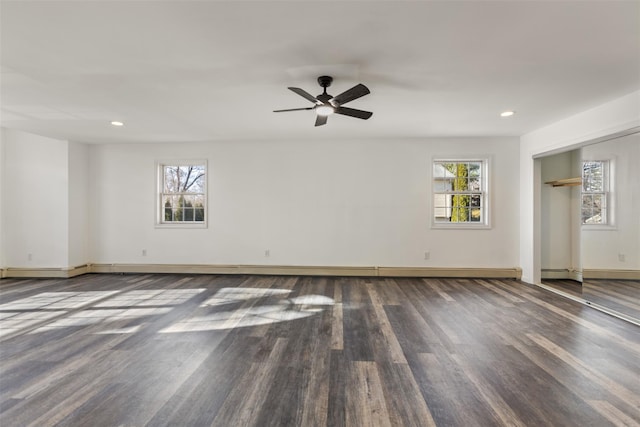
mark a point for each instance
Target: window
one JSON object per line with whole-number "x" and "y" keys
{"x": 460, "y": 193}
{"x": 595, "y": 193}
{"x": 182, "y": 193}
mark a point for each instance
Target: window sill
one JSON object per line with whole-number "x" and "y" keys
{"x": 460, "y": 226}
{"x": 183, "y": 226}
{"x": 598, "y": 227}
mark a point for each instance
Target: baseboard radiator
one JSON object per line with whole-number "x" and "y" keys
{"x": 514, "y": 273}
{"x": 561, "y": 273}
{"x": 588, "y": 273}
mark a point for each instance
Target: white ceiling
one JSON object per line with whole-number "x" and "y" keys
{"x": 215, "y": 70}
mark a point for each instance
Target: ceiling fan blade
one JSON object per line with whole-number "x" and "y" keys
{"x": 360, "y": 114}
{"x": 306, "y": 95}
{"x": 321, "y": 120}
{"x": 293, "y": 109}
{"x": 351, "y": 94}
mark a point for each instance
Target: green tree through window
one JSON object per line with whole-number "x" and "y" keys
{"x": 460, "y": 202}
{"x": 459, "y": 192}
{"x": 183, "y": 193}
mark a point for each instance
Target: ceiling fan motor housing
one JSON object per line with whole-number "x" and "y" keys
{"x": 324, "y": 98}
{"x": 325, "y": 81}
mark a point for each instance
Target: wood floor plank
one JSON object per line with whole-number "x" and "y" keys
{"x": 316, "y": 396}
{"x": 381, "y": 322}
{"x": 338, "y": 383}
{"x": 404, "y": 401}
{"x": 501, "y": 408}
{"x": 244, "y": 403}
{"x": 613, "y": 414}
{"x": 450, "y": 399}
{"x": 337, "y": 327}
{"x": 357, "y": 339}
{"x": 581, "y": 367}
{"x": 438, "y": 287}
{"x": 365, "y": 401}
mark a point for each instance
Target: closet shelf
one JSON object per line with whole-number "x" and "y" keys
{"x": 565, "y": 182}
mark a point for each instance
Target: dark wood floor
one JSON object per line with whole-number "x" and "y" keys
{"x": 158, "y": 350}
{"x": 621, "y": 296}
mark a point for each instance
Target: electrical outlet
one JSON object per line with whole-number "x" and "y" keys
{"x": 267, "y": 253}
{"x": 144, "y": 252}
{"x": 622, "y": 257}
{"x": 29, "y": 257}
{"x": 427, "y": 255}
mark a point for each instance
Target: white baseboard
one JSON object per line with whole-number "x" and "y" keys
{"x": 559, "y": 273}
{"x": 485, "y": 273}
{"x": 611, "y": 274}
{"x": 46, "y": 273}
{"x": 233, "y": 269}
{"x": 514, "y": 273}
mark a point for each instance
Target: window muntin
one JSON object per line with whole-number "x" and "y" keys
{"x": 459, "y": 192}
{"x": 595, "y": 193}
{"x": 182, "y": 193}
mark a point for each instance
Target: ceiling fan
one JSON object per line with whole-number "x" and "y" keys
{"x": 326, "y": 104}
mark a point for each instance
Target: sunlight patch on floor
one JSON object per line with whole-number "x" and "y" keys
{"x": 118, "y": 312}
{"x": 235, "y": 295}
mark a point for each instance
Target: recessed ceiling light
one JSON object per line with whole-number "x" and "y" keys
{"x": 507, "y": 113}
{"x": 117, "y": 123}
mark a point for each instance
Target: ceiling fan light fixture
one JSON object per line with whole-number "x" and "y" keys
{"x": 326, "y": 104}
{"x": 325, "y": 110}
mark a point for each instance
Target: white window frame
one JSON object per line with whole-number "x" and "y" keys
{"x": 159, "y": 220}
{"x": 483, "y": 192}
{"x": 608, "y": 193}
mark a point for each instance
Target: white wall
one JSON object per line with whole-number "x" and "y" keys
{"x": 333, "y": 203}
{"x": 615, "y": 116}
{"x": 78, "y": 204}
{"x": 556, "y": 213}
{"x": 602, "y": 245}
{"x": 3, "y": 262}
{"x": 35, "y": 195}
